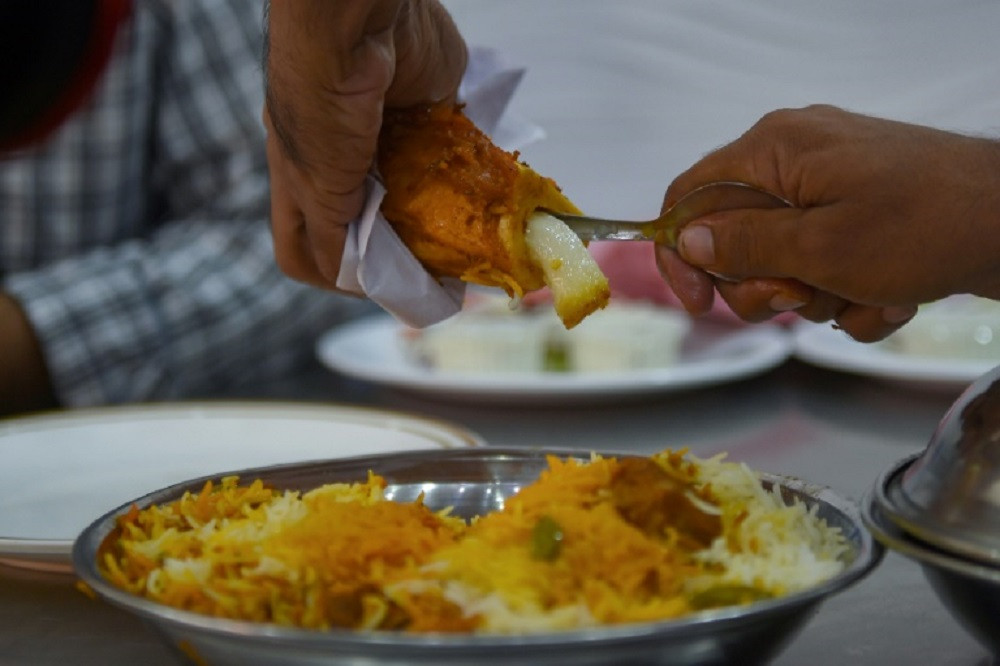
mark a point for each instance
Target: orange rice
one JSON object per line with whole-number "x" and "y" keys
{"x": 580, "y": 547}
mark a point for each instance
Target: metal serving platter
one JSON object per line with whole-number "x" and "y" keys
{"x": 476, "y": 481}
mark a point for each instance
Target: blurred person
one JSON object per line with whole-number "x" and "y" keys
{"x": 136, "y": 261}
{"x": 331, "y": 68}
{"x": 885, "y": 216}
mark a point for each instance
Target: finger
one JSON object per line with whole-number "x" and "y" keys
{"x": 307, "y": 253}
{"x": 823, "y": 306}
{"x": 752, "y": 243}
{"x": 760, "y": 299}
{"x": 326, "y": 230}
{"x": 867, "y": 323}
{"x": 694, "y": 288}
{"x": 309, "y": 225}
{"x": 291, "y": 251}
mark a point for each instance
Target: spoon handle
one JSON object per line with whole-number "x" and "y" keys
{"x": 710, "y": 198}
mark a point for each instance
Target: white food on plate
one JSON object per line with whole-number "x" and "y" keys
{"x": 626, "y": 337}
{"x": 482, "y": 342}
{"x": 963, "y": 327}
{"x": 491, "y": 336}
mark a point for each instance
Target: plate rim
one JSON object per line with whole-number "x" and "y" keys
{"x": 812, "y": 344}
{"x": 897, "y": 540}
{"x": 895, "y": 506}
{"x": 51, "y": 555}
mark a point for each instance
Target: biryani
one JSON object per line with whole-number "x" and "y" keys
{"x": 595, "y": 542}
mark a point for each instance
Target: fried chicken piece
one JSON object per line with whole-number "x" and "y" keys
{"x": 467, "y": 209}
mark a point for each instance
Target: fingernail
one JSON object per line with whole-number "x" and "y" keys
{"x": 897, "y": 314}
{"x": 784, "y": 303}
{"x": 696, "y": 246}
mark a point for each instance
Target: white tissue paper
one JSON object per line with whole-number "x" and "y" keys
{"x": 376, "y": 263}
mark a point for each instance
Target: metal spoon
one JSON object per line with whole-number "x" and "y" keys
{"x": 710, "y": 198}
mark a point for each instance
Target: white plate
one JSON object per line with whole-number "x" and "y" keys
{"x": 370, "y": 349}
{"x": 826, "y": 347}
{"x": 61, "y": 471}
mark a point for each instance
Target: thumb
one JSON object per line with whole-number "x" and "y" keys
{"x": 744, "y": 243}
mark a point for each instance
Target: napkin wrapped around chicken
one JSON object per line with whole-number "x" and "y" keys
{"x": 470, "y": 210}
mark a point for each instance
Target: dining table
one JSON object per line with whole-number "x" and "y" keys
{"x": 621, "y": 97}
{"x": 828, "y": 427}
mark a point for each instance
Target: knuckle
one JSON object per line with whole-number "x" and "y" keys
{"x": 744, "y": 252}
{"x": 291, "y": 265}
{"x": 823, "y": 255}
{"x": 748, "y": 299}
{"x": 778, "y": 117}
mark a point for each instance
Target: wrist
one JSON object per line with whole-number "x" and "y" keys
{"x": 985, "y": 215}
{"x": 25, "y": 384}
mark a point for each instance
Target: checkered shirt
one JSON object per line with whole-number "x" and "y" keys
{"x": 136, "y": 236}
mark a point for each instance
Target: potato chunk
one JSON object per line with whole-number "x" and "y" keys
{"x": 577, "y": 284}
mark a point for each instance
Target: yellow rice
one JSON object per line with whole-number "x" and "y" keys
{"x": 344, "y": 556}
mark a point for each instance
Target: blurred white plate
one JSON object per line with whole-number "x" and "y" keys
{"x": 826, "y": 347}
{"x": 62, "y": 470}
{"x": 371, "y": 349}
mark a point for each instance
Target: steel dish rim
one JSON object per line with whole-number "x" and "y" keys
{"x": 898, "y": 540}
{"x": 894, "y": 504}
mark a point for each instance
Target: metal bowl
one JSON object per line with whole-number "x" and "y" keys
{"x": 950, "y": 495}
{"x": 476, "y": 481}
{"x": 969, "y": 589}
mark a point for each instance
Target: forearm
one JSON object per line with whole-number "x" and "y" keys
{"x": 24, "y": 377}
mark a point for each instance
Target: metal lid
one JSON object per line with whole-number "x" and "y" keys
{"x": 949, "y": 495}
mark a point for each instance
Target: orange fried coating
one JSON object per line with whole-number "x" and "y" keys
{"x": 459, "y": 202}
